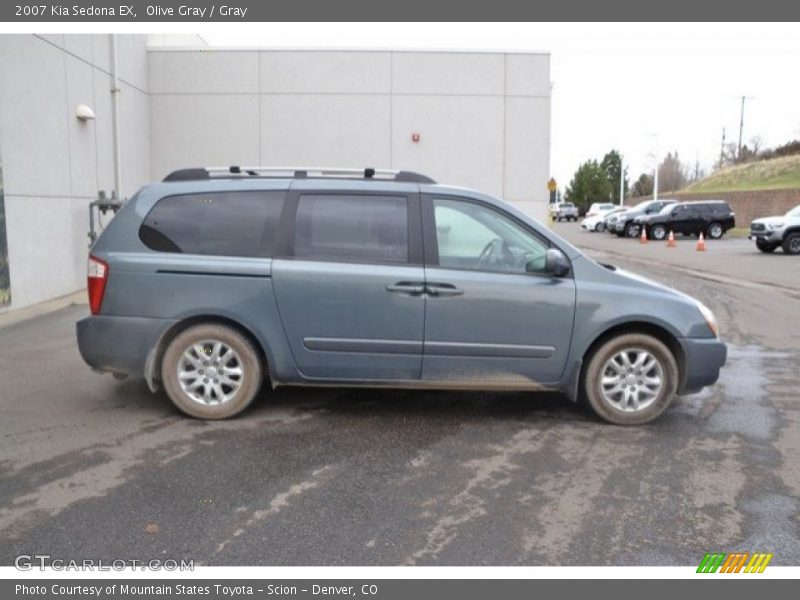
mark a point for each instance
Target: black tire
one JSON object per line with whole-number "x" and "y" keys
{"x": 765, "y": 246}
{"x": 715, "y": 230}
{"x": 631, "y": 230}
{"x": 591, "y": 382}
{"x": 658, "y": 232}
{"x": 600, "y": 227}
{"x": 245, "y": 355}
{"x": 791, "y": 243}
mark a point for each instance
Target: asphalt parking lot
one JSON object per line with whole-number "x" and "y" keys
{"x": 95, "y": 468}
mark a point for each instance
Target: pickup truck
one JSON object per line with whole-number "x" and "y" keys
{"x": 771, "y": 232}
{"x": 564, "y": 211}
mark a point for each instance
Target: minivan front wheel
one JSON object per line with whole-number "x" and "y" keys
{"x": 211, "y": 371}
{"x": 631, "y": 379}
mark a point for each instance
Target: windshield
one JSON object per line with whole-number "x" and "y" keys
{"x": 642, "y": 205}
{"x": 795, "y": 212}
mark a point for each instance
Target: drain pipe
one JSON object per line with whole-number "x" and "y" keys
{"x": 115, "y": 90}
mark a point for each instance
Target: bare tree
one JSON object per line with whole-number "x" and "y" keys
{"x": 672, "y": 175}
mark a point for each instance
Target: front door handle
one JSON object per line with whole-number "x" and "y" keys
{"x": 406, "y": 287}
{"x": 443, "y": 290}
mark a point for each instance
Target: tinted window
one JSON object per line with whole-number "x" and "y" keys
{"x": 471, "y": 236}
{"x": 352, "y": 228}
{"x": 219, "y": 223}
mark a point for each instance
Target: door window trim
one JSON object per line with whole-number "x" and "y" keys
{"x": 285, "y": 243}
{"x": 431, "y": 242}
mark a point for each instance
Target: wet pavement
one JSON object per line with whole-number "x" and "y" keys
{"x": 95, "y": 468}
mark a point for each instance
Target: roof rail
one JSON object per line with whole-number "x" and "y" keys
{"x": 195, "y": 174}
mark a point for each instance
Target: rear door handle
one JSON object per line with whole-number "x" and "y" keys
{"x": 406, "y": 287}
{"x": 443, "y": 290}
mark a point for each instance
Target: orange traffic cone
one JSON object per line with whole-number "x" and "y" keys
{"x": 701, "y": 243}
{"x": 671, "y": 240}
{"x": 643, "y": 237}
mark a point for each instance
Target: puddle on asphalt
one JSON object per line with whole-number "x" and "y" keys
{"x": 740, "y": 402}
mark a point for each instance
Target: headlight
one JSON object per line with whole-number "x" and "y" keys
{"x": 774, "y": 226}
{"x": 709, "y": 317}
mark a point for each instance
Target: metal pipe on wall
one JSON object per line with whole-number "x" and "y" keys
{"x": 115, "y": 90}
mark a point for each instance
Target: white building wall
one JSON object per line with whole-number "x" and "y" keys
{"x": 54, "y": 164}
{"x": 483, "y": 118}
{"x": 483, "y": 121}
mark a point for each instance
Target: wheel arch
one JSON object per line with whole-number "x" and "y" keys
{"x": 153, "y": 364}
{"x": 645, "y": 327}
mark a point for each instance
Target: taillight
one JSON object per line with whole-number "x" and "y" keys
{"x": 96, "y": 277}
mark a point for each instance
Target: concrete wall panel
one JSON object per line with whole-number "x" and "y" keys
{"x": 201, "y": 72}
{"x": 326, "y": 130}
{"x": 461, "y": 139}
{"x": 528, "y": 75}
{"x": 527, "y": 149}
{"x": 202, "y": 130}
{"x": 134, "y": 126}
{"x": 448, "y": 73}
{"x": 80, "y": 45}
{"x": 82, "y": 140}
{"x": 40, "y": 248}
{"x": 33, "y": 117}
{"x": 326, "y": 72}
{"x": 54, "y": 164}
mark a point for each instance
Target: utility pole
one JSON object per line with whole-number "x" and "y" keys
{"x": 741, "y": 128}
{"x": 722, "y": 149}
{"x": 654, "y": 154}
{"x": 621, "y": 181}
{"x": 741, "y": 124}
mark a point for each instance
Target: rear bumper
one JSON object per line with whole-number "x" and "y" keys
{"x": 119, "y": 344}
{"x": 704, "y": 359}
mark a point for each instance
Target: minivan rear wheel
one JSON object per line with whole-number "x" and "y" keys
{"x": 211, "y": 371}
{"x": 631, "y": 379}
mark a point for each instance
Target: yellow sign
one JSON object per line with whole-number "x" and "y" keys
{"x": 552, "y": 185}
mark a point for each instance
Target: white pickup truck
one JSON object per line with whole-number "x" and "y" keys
{"x": 771, "y": 232}
{"x": 564, "y": 211}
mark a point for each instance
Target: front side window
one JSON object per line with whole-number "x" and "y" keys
{"x": 352, "y": 228}
{"x": 475, "y": 237}
{"x": 215, "y": 223}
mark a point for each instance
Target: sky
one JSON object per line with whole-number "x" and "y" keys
{"x": 643, "y": 89}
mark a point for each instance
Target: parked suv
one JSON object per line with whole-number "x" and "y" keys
{"x": 625, "y": 222}
{"x": 712, "y": 218}
{"x": 771, "y": 232}
{"x": 216, "y": 279}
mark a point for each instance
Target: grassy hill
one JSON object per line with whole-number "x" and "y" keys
{"x": 776, "y": 174}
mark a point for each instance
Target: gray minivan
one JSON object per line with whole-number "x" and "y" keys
{"x": 218, "y": 278}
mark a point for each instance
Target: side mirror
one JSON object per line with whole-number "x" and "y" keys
{"x": 556, "y": 263}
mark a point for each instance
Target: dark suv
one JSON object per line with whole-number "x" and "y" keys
{"x": 709, "y": 217}
{"x": 625, "y": 225}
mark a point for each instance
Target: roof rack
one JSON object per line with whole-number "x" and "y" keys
{"x": 195, "y": 174}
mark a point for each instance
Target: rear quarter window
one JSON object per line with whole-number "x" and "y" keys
{"x": 215, "y": 223}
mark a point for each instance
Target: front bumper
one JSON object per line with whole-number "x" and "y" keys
{"x": 119, "y": 344}
{"x": 773, "y": 236}
{"x": 704, "y": 359}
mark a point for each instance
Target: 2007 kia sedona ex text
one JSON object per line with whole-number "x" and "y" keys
{"x": 216, "y": 279}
